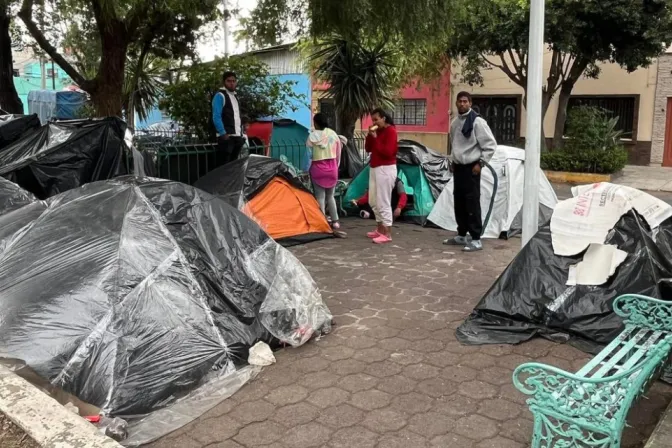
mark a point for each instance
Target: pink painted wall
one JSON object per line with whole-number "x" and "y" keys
{"x": 437, "y": 95}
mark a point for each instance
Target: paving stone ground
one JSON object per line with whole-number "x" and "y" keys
{"x": 392, "y": 375}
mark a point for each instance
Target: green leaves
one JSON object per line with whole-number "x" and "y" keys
{"x": 592, "y": 145}
{"x": 259, "y": 95}
{"x": 360, "y": 78}
{"x": 143, "y": 87}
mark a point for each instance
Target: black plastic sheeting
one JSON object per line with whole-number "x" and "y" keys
{"x": 351, "y": 161}
{"x": 435, "y": 166}
{"x": 129, "y": 293}
{"x": 530, "y": 298}
{"x": 12, "y": 127}
{"x": 240, "y": 181}
{"x": 12, "y": 196}
{"x": 64, "y": 155}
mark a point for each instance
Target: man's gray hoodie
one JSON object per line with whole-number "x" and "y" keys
{"x": 480, "y": 145}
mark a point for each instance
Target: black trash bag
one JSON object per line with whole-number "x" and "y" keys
{"x": 435, "y": 166}
{"x": 13, "y": 127}
{"x": 128, "y": 293}
{"x": 351, "y": 161}
{"x": 12, "y": 196}
{"x": 531, "y": 298}
{"x": 65, "y": 154}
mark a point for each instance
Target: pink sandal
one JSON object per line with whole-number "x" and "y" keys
{"x": 374, "y": 234}
{"x": 382, "y": 239}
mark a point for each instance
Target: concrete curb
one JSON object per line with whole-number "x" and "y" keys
{"x": 576, "y": 178}
{"x": 44, "y": 419}
{"x": 662, "y": 435}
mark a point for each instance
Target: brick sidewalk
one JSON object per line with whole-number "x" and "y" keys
{"x": 392, "y": 374}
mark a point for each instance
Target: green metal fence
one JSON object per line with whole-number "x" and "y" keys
{"x": 184, "y": 159}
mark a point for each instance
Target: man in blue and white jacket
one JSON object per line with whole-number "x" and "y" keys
{"x": 228, "y": 121}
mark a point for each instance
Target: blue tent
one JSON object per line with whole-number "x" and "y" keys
{"x": 52, "y": 105}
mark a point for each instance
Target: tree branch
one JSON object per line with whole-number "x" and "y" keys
{"x": 513, "y": 76}
{"x": 26, "y": 14}
{"x": 513, "y": 61}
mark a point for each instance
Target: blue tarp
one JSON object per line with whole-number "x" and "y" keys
{"x": 52, "y": 105}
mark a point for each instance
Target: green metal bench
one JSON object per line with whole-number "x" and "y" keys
{"x": 588, "y": 408}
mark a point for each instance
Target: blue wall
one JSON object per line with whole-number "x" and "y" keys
{"x": 154, "y": 116}
{"x": 303, "y": 114}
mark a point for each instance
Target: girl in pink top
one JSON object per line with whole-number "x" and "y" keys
{"x": 325, "y": 147}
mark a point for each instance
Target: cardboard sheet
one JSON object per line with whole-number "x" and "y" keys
{"x": 594, "y": 210}
{"x": 599, "y": 264}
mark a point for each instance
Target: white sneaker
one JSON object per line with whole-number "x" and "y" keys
{"x": 473, "y": 246}
{"x": 458, "y": 241}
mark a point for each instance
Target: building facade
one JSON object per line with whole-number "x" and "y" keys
{"x": 285, "y": 63}
{"x": 28, "y": 75}
{"x": 629, "y": 96}
{"x": 661, "y": 147}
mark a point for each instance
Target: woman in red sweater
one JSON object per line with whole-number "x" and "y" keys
{"x": 381, "y": 142}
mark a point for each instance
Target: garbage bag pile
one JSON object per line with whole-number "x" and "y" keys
{"x": 12, "y": 196}
{"x": 131, "y": 293}
{"x": 607, "y": 241}
{"x": 12, "y": 127}
{"x": 63, "y": 155}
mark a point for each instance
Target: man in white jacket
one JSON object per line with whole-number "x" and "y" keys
{"x": 471, "y": 145}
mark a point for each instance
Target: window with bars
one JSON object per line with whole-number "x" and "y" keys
{"x": 623, "y": 107}
{"x": 411, "y": 112}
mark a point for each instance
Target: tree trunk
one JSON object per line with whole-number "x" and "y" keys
{"x": 9, "y": 98}
{"x": 107, "y": 95}
{"x": 561, "y": 118}
{"x": 545, "y": 102}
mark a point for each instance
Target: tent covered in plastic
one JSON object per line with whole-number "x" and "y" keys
{"x": 56, "y": 105}
{"x": 63, "y": 155}
{"x": 270, "y": 193}
{"x": 12, "y": 196}
{"x": 501, "y": 196}
{"x": 607, "y": 241}
{"x": 425, "y": 174}
{"x": 134, "y": 295}
{"x": 12, "y": 127}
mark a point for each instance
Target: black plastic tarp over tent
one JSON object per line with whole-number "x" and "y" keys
{"x": 63, "y": 155}
{"x": 130, "y": 293}
{"x": 12, "y": 196}
{"x": 12, "y": 127}
{"x": 532, "y": 296}
{"x": 435, "y": 166}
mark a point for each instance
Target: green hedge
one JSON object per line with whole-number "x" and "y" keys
{"x": 596, "y": 161}
{"x": 592, "y": 145}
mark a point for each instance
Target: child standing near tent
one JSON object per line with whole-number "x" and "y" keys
{"x": 381, "y": 142}
{"x": 471, "y": 145}
{"x": 325, "y": 152}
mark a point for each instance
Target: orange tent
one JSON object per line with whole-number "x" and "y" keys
{"x": 268, "y": 193}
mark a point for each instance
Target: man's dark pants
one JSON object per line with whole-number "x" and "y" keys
{"x": 228, "y": 150}
{"x": 467, "y": 198}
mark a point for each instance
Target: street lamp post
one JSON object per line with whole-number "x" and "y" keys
{"x": 535, "y": 68}
{"x": 226, "y": 27}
